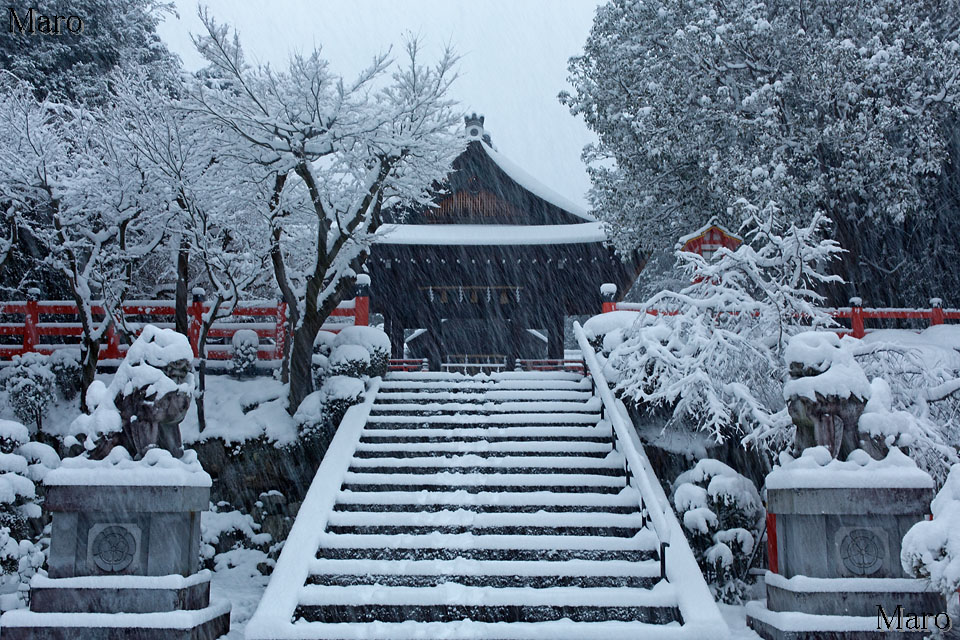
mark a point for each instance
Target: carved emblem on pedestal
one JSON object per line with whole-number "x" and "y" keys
{"x": 114, "y": 548}
{"x": 862, "y": 552}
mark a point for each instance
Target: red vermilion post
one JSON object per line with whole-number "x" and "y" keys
{"x": 112, "y": 350}
{"x": 361, "y": 310}
{"x": 608, "y": 293}
{"x": 196, "y": 320}
{"x": 772, "y": 557}
{"x": 936, "y": 311}
{"x": 31, "y": 318}
{"x": 856, "y": 318}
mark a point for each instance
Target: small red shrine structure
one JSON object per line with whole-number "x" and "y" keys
{"x": 708, "y": 239}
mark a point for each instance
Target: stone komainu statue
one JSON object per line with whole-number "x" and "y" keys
{"x": 829, "y": 421}
{"x": 826, "y": 394}
{"x": 153, "y": 389}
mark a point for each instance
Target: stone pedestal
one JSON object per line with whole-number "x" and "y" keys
{"x": 834, "y": 546}
{"x": 128, "y": 548}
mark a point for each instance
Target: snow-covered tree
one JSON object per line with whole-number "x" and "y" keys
{"x": 712, "y": 353}
{"x": 77, "y": 66}
{"x": 73, "y": 69}
{"x": 100, "y": 216}
{"x": 838, "y": 106}
{"x": 329, "y": 153}
{"x": 214, "y": 211}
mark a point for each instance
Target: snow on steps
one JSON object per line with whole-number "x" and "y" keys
{"x": 490, "y": 506}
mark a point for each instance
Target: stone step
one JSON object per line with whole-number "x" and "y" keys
{"x": 498, "y": 581}
{"x": 601, "y": 451}
{"x": 470, "y": 630}
{"x": 422, "y": 376}
{"x": 519, "y": 488}
{"x": 492, "y": 530}
{"x": 390, "y": 385}
{"x": 546, "y": 556}
{"x": 510, "y": 420}
{"x": 459, "y": 517}
{"x": 488, "y": 604}
{"x": 541, "y": 498}
{"x": 485, "y": 408}
{"x": 489, "y": 434}
{"x": 526, "y": 396}
{"x": 462, "y": 569}
{"x": 390, "y": 438}
{"x": 610, "y": 464}
{"x": 383, "y": 613}
{"x": 489, "y": 469}
{"x": 433, "y": 508}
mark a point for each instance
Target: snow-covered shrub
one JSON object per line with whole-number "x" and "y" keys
{"x": 245, "y": 343}
{"x": 30, "y": 384}
{"x": 931, "y": 548}
{"x": 349, "y": 360}
{"x": 322, "y": 410}
{"x": 716, "y": 359}
{"x": 65, "y": 365}
{"x": 374, "y": 340}
{"x": 721, "y": 512}
{"x": 320, "y": 364}
{"x": 223, "y": 529}
{"x": 22, "y": 463}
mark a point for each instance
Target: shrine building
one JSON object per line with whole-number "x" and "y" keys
{"x": 490, "y": 273}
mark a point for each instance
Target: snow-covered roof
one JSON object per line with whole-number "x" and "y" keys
{"x": 533, "y": 185}
{"x": 489, "y": 234}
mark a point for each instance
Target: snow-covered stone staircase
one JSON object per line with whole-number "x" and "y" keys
{"x": 473, "y": 507}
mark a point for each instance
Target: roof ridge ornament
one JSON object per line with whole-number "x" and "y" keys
{"x": 475, "y": 130}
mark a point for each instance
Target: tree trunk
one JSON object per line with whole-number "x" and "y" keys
{"x": 89, "y": 354}
{"x": 201, "y": 390}
{"x": 181, "y": 322}
{"x": 301, "y": 362}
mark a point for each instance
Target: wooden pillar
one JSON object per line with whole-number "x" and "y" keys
{"x": 434, "y": 338}
{"x": 514, "y": 340}
{"x": 555, "y": 337}
{"x": 395, "y": 331}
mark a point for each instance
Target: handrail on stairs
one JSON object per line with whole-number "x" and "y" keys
{"x": 636, "y": 459}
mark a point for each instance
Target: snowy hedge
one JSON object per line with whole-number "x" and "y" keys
{"x": 30, "y": 386}
{"x": 323, "y": 409}
{"x": 22, "y": 464}
{"x": 721, "y": 512}
{"x": 246, "y": 344}
{"x": 931, "y": 548}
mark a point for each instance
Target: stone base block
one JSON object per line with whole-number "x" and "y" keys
{"x": 203, "y": 624}
{"x": 120, "y": 594}
{"x": 792, "y": 625}
{"x": 851, "y": 596}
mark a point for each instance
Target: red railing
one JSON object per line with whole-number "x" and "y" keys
{"x": 408, "y": 364}
{"x": 855, "y": 315}
{"x": 267, "y": 318}
{"x": 574, "y": 365}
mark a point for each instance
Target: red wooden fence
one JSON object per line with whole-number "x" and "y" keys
{"x": 855, "y": 315}
{"x": 267, "y": 318}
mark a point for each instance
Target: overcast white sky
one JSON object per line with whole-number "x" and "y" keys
{"x": 514, "y": 59}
